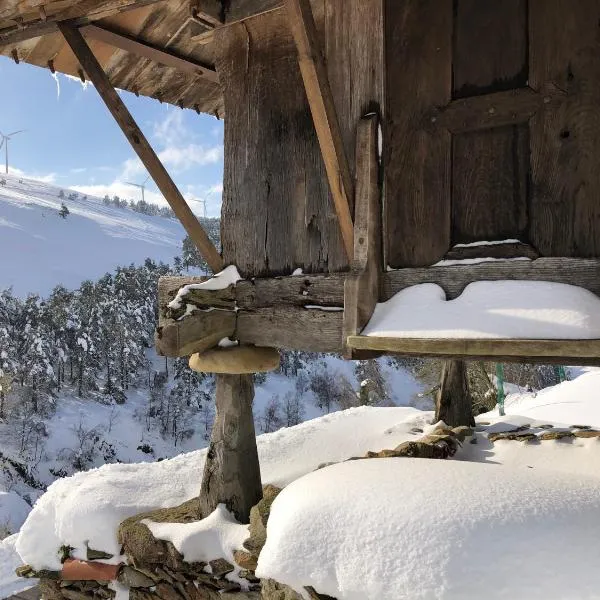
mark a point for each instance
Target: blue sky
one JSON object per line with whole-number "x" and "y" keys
{"x": 72, "y": 141}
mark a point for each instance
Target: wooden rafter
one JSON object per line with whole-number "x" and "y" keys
{"x": 320, "y": 99}
{"x": 140, "y": 144}
{"x": 145, "y": 50}
{"x": 80, "y": 14}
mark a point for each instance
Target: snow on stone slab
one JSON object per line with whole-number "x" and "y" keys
{"x": 216, "y": 536}
{"x": 88, "y": 507}
{"x": 401, "y": 528}
{"x": 9, "y": 560}
{"x": 221, "y": 281}
{"x": 475, "y": 261}
{"x": 487, "y": 243}
{"x": 490, "y": 309}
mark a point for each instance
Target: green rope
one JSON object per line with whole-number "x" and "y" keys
{"x": 501, "y": 395}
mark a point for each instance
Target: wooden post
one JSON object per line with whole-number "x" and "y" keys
{"x": 140, "y": 144}
{"x": 361, "y": 288}
{"x": 322, "y": 107}
{"x": 232, "y": 472}
{"x": 454, "y": 405}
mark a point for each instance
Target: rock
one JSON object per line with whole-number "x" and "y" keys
{"x": 51, "y": 590}
{"x": 555, "y": 435}
{"x": 220, "y": 567}
{"x": 315, "y": 596}
{"x": 271, "y": 590}
{"x": 249, "y": 576}
{"x": 259, "y": 515}
{"x": 245, "y": 560}
{"x": 168, "y": 592}
{"x": 581, "y": 426}
{"x": 462, "y": 432}
{"x": 547, "y": 426}
{"x": 143, "y": 549}
{"x": 92, "y": 554}
{"x": 71, "y": 594}
{"x": 587, "y": 433}
{"x": 512, "y": 435}
{"x": 134, "y": 579}
{"x": 29, "y": 573}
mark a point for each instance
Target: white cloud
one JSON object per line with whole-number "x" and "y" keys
{"x": 44, "y": 178}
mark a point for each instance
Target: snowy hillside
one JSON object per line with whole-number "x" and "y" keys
{"x": 39, "y": 249}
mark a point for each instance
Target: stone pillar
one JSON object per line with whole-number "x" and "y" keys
{"x": 232, "y": 472}
{"x": 454, "y": 405}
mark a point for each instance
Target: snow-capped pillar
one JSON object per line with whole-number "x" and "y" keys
{"x": 232, "y": 472}
{"x": 453, "y": 405}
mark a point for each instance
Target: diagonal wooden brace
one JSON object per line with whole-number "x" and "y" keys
{"x": 140, "y": 144}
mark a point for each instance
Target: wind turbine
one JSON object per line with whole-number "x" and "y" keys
{"x": 142, "y": 186}
{"x": 203, "y": 202}
{"x": 5, "y": 140}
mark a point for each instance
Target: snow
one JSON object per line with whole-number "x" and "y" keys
{"x": 216, "y": 536}
{"x": 46, "y": 250}
{"x": 228, "y": 343}
{"x": 421, "y": 529}
{"x": 88, "y": 507}
{"x": 475, "y": 261}
{"x": 490, "y": 309}
{"x": 221, "y": 281}
{"x": 9, "y": 560}
{"x": 324, "y": 308}
{"x": 297, "y": 272}
{"x": 487, "y": 243}
{"x": 13, "y": 511}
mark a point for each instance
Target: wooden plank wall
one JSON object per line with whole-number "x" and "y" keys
{"x": 565, "y": 145}
{"x": 277, "y": 214}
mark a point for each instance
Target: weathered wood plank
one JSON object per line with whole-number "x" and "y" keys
{"x": 232, "y": 471}
{"x": 195, "y": 333}
{"x": 361, "y": 288}
{"x": 582, "y": 272}
{"x": 291, "y": 328}
{"x": 499, "y": 350}
{"x": 495, "y": 110}
{"x": 81, "y": 13}
{"x": 169, "y": 286}
{"x": 490, "y": 171}
{"x": 416, "y": 157}
{"x": 145, "y": 50}
{"x": 508, "y": 250}
{"x": 140, "y": 144}
{"x": 322, "y": 107}
{"x": 565, "y": 143}
{"x": 483, "y": 61}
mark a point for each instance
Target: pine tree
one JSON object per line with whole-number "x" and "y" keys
{"x": 64, "y": 211}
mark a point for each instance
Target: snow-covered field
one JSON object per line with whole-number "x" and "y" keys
{"x": 40, "y": 249}
{"x": 386, "y": 528}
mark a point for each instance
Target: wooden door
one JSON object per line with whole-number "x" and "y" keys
{"x": 492, "y": 126}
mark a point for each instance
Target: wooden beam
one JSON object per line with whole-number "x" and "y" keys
{"x": 80, "y": 14}
{"x": 498, "y": 350}
{"x": 320, "y": 99}
{"x": 361, "y": 288}
{"x": 584, "y": 272}
{"x": 495, "y": 110}
{"x": 454, "y": 403}
{"x": 145, "y": 50}
{"x": 141, "y": 145}
{"x": 238, "y": 360}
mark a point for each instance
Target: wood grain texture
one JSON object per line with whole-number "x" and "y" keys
{"x": 322, "y": 106}
{"x": 582, "y": 272}
{"x": 507, "y": 250}
{"x": 565, "y": 142}
{"x": 232, "y": 471}
{"x": 489, "y": 184}
{"x": 416, "y": 157}
{"x": 490, "y": 46}
{"x": 140, "y": 145}
{"x": 565, "y": 352}
{"x": 277, "y": 211}
{"x": 361, "y": 288}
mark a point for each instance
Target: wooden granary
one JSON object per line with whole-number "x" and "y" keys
{"x": 364, "y": 140}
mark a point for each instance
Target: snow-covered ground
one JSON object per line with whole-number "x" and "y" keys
{"x": 384, "y": 528}
{"x": 41, "y": 250}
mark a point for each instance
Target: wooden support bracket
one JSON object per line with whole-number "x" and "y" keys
{"x": 238, "y": 360}
{"x": 362, "y": 286}
{"x": 322, "y": 107}
{"x": 140, "y": 144}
